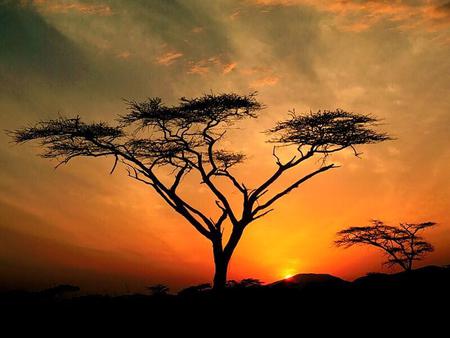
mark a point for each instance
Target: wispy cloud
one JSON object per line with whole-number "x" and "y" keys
{"x": 58, "y": 6}
{"x": 216, "y": 64}
{"x": 168, "y": 58}
{"x": 198, "y": 68}
{"x": 197, "y": 30}
{"x": 123, "y": 55}
{"x": 260, "y": 76}
{"x": 229, "y": 67}
{"x": 265, "y": 81}
{"x": 361, "y": 15}
{"x": 235, "y": 15}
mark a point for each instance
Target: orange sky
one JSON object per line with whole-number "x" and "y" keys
{"x": 107, "y": 233}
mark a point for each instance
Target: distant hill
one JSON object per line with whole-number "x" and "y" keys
{"x": 426, "y": 278}
{"x": 310, "y": 280}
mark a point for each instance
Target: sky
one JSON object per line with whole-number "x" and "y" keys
{"x": 107, "y": 233}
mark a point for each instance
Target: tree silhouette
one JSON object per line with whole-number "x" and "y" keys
{"x": 195, "y": 289}
{"x": 249, "y": 283}
{"x": 158, "y": 289}
{"x": 401, "y": 244}
{"x": 185, "y": 139}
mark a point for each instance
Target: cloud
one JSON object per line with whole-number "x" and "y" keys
{"x": 197, "y": 30}
{"x": 168, "y": 58}
{"x": 438, "y": 16}
{"x": 198, "y": 68}
{"x": 357, "y": 27}
{"x": 361, "y": 15}
{"x": 123, "y": 55}
{"x": 229, "y": 67}
{"x": 58, "y": 6}
{"x": 260, "y": 76}
{"x": 34, "y": 47}
{"x": 265, "y": 81}
{"x": 216, "y": 63}
{"x": 235, "y": 15}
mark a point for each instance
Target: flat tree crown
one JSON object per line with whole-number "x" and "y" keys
{"x": 327, "y": 130}
{"x": 402, "y": 244}
{"x": 165, "y": 134}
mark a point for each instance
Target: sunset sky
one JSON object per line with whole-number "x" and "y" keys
{"x": 108, "y": 233}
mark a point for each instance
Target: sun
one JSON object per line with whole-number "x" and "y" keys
{"x": 288, "y": 273}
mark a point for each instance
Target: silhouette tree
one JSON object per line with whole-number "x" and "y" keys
{"x": 59, "y": 291}
{"x": 401, "y": 244}
{"x": 249, "y": 283}
{"x": 185, "y": 139}
{"x": 244, "y": 283}
{"x": 195, "y": 289}
{"x": 158, "y": 289}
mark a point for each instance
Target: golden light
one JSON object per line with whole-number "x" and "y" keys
{"x": 288, "y": 273}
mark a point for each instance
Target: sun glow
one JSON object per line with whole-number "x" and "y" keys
{"x": 288, "y": 273}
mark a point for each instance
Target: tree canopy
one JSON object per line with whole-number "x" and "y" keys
{"x": 402, "y": 244}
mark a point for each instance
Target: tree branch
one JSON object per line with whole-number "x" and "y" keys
{"x": 291, "y": 187}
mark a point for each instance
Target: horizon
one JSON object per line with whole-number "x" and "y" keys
{"x": 80, "y": 225}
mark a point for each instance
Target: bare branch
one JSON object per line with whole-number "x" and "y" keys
{"x": 263, "y": 214}
{"x": 116, "y": 159}
{"x": 291, "y": 187}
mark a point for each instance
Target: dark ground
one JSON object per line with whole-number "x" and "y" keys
{"x": 420, "y": 297}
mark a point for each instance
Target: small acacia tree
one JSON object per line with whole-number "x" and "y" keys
{"x": 401, "y": 244}
{"x": 186, "y": 138}
{"x": 158, "y": 290}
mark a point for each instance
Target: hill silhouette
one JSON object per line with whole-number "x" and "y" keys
{"x": 310, "y": 280}
{"x": 425, "y": 290}
{"x": 428, "y": 277}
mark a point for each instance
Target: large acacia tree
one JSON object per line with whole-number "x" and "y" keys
{"x": 156, "y": 142}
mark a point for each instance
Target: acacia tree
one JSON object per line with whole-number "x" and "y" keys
{"x": 158, "y": 290}
{"x": 185, "y": 138}
{"x": 401, "y": 244}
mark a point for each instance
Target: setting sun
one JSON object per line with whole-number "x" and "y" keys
{"x": 289, "y": 273}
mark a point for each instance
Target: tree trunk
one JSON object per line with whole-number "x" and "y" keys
{"x": 222, "y": 257}
{"x": 220, "y": 273}
{"x": 409, "y": 266}
{"x": 221, "y": 260}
